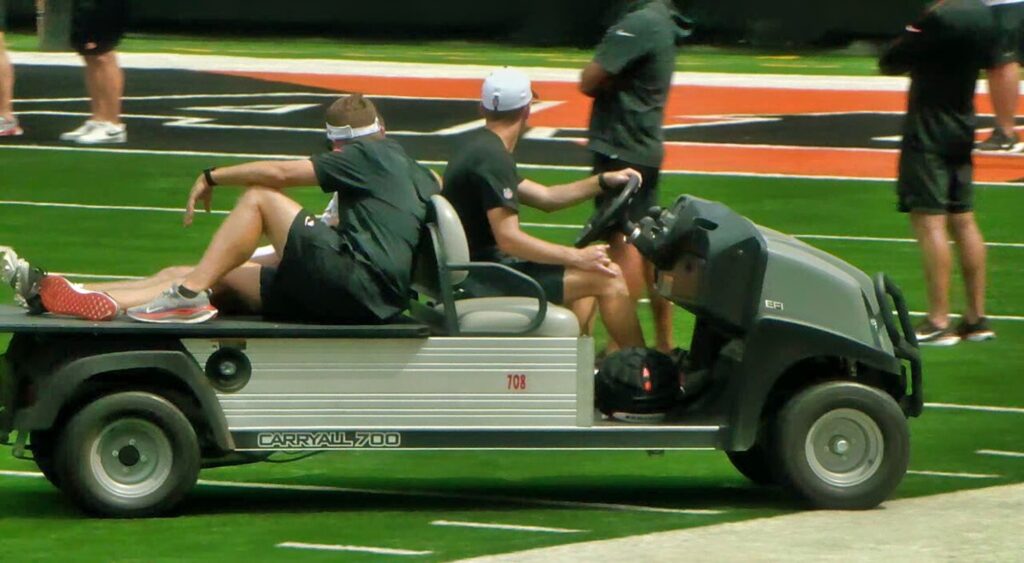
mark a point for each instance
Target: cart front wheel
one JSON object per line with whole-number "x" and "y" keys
{"x": 843, "y": 445}
{"x": 128, "y": 455}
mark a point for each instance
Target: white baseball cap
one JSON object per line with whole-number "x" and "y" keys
{"x": 506, "y": 89}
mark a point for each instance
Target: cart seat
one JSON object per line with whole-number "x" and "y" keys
{"x": 443, "y": 263}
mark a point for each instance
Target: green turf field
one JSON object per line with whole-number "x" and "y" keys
{"x": 391, "y": 500}
{"x": 857, "y": 61}
{"x": 221, "y": 523}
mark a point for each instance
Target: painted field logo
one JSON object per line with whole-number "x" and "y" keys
{"x": 328, "y": 440}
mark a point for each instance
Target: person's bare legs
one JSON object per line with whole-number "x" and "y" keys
{"x": 164, "y": 276}
{"x": 6, "y": 82}
{"x": 104, "y": 81}
{"x": 618, "y": 309}
{"x": 586, "y": 311}
{"x": 930, "y": 231}
{"x": 259, "y": 212}
{"x": 639, "y": 276}
{"x": 1004, "y": 89}
{"x": 971, "y": 247}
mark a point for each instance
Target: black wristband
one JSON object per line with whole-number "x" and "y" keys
{"x": 602, "y": 183}
{"x": 208, "y": 174}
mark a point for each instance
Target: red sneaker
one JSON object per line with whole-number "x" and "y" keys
{"x": 62, "y": 297}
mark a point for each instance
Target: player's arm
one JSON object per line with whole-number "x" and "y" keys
{"x": 275, "y": 174}
{"x": 554, "y": 198}
{"x": 593, "y": 79}
{"x": 915, "y": 46}
{"x": 513, "y": 241}
{"x": 623, "y": 44}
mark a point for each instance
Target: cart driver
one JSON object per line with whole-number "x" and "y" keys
{"x": 484, "y": 186}
{"x": 357, "y": 272}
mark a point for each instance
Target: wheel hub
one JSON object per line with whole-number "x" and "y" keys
{"x": 844, "y": 447}
{"x": 131, "y": 457}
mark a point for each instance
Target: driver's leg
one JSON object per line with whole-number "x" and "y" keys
{"x": 618, "y": 310}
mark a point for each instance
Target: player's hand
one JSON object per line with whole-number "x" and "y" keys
{"x": 618, "y": 179}
{"x": 201, "y": 192}
{"x": 594, "y": 259}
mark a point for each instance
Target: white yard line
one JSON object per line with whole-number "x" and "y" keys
{"x": 510, "y": 527}
{"x": 1000, "y": 453}
{"x": 434, "y": 494}
{"x": 953, "y": 475}
{"x": 976, "y": 408}
{"x": 351, "y": 548}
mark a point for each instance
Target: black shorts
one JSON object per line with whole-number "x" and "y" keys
{"x": 1009, "y": 43}
{"x": 3, "y": 16}
{"x": 491, "y": 283}
{"x": 645, "y": 199}
{"x": 318, "y": 279}
{"x": 935, "y": 183}
{"x": 97, "y": 26}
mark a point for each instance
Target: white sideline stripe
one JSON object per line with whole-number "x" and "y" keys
{"x": 529, "y": 225}
{"x": 563, "y": 168}
{"x": 954, "y": 475}
{"x": 356, "y": 548}
{"x": 976, "y": 408}
{"x": 1000, "y": 453}
{"x": 432, "y": 494}
{"x": 513, "y": 527}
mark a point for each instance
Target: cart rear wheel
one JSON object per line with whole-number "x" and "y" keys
{"x": 755, "y": 464}
{"x": 128, "y": 455}
{"x": 843, "y": 445}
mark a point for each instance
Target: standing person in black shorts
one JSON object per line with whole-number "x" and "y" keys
{"x": 944, "y": 52}
{"x": 630, "y": 79}
{"x": 8, "y": 123}
{"x": 357, "y": 272}
{"x": 483, "y": 185}
{"x": 1004, "y": 74}
{"x": 97, "y": 27}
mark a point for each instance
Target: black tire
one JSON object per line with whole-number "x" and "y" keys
{"x": 128, "y": 455}
{"x": 842, "y": 445}
{"x": 755, "y": 464}
{"x": 43, "y": 443}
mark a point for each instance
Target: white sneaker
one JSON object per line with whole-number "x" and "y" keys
{"x": 104, "y": 133}
{"x": 9, "y": 128}
{"x": 82, "y": 130}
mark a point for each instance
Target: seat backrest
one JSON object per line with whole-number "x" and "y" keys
{"x": 453, "y": 237}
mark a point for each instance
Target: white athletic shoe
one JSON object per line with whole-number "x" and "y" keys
{"x": 82, "y": 130}
{"x": 9, "y": 127}
{"x": 104, "y": 133}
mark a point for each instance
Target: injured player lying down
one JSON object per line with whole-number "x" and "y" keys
{"x": 355, "y": 272}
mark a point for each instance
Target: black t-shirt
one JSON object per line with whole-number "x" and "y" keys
{"x": 640, "y": 52}
{"x": 382, "y": 203}
{"x": 481, "y": 177}
{"x": 943, "y": 52}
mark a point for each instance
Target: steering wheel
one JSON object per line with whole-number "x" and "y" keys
{"x": 605, "y": 217}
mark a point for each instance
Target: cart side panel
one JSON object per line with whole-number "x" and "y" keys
{"x": 299, "y": 384}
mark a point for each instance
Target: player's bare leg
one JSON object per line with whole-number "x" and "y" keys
{"x": 259, "y": 212}
{"x": 165, "y": 276}
{"x": 971, "y": 247}
{"x": 618, "y": 309}
{"x": 930, "y": 231}
{"x": 1004, "y": 90}
{"x": 586, "y": 311}
{"x": 8, "y": 124}
{"x": 639, "y": 276}
{"x": 104, "y": 81}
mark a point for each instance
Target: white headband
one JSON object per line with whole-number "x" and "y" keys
{"x": 347, "y": 132}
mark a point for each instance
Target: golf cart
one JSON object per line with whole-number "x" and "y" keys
{"x": 796, "y": 369}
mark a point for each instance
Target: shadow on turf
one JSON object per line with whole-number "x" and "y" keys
{"x": 47, "y": 503}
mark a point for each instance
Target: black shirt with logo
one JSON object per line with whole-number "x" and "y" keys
{"x": 481, "y": 177}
